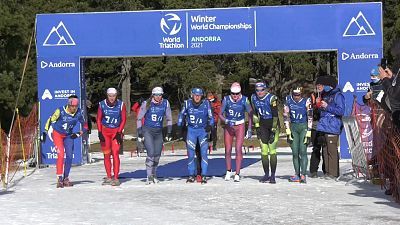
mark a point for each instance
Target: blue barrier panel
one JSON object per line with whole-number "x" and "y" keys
{"x": 57, "y": 80}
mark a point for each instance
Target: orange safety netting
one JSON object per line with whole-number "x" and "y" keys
{"x": 385, "y": 160}
{"x": 22, "y": 145}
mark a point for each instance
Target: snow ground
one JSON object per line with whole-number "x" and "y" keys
{"x": 35, "y": 200}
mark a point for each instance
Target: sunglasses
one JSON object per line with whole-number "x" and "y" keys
{"x": 260, "y": 90}
{"x": 235, "y": 93}
{"x": 157, "y": 94}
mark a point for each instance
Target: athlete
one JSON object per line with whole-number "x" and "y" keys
{"x": 63, "y": 122}
{"x": 111, "y": 119}
{"x": 153, "y": 111}
{"x": 198, "y": 115}
{"x": 266, "y": 123}
{"x": 234, "y": 106}
{"x": 298, "y": 119}
{"x": 216, "y": 108}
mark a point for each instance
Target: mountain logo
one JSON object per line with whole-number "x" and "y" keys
{"x": 59, "y": 36}
{"x": 46, "y": 94}
{"x": 358, "y": 26}
{"x": 171, "y": 24}
{"x": 348, "y": 87}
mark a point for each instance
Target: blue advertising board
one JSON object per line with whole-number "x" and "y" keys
{"x": 353, "y": 30}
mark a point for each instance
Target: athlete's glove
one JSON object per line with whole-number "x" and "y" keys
{"x": 272, "y": 136}
{"x": 289, "y": 136}
{"x": 248, "y": 134}
{"x": 140, "y": 135}
{"x": 75, "y": 135}
{"x": 258, "y": 133}
{"x": 307, "y": 138}
{"x": 209, "y": 136}
{"x": 208, "y": 128}
{"x": 179, "y": 132}
{"x": 43, "y": 137}
{"x": 230, "y": 123}
{"x": 119, "y": 138}
{"x": 168, "y": 137}
{"x": 101, "y": 137}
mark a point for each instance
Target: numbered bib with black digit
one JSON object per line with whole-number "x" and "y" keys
{"x": 66, "y": 122}
{"x": 263, "y": 106}
{"x": 196, "y": 116}
{"x": 155, "y": 114}
{"x": 111, "y": 115}
{"x": 235, "y": 111}
{"x": 298, "y": 110}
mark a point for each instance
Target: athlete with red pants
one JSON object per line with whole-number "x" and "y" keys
{"x": 234, "y": 107}
{"x": 63, "y": 122}
{"x": 111, "y": 118}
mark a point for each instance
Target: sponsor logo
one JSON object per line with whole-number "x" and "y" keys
{"x": 171, "y": 24}
{"x": 348, "y": 87}
{"x": 360, "y": 56}
{"x": 358, "y": 26}
{"x": 59, "y": 36}
{"x": 362, "y": 87}
{"x": 46, "y": 95}
{"x": 63, "y": 94}
{"x": 60, "y": 64}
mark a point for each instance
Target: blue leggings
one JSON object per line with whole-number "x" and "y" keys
{"x": 194, "y": 136}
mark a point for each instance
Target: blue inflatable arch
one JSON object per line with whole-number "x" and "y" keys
{"x": 353, "y": 30}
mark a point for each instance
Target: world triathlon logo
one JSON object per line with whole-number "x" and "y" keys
{"x": 171, "y": 24}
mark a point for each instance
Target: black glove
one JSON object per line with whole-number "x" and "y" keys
{"x": 258, "y": 132}
{"x": 179, "y": 132}
{"x": 139, "y": 133}
{"x": 101, "y": 137}
{"x": 118, "y": 137}
{"x": 74, "y": 135}
{"x": 89, "y": 131}
{"x": 208, "y": 128}
{"x": 43, "y": 137}
{"x": 271, "y": 137}
{"x": 289, "y": 139}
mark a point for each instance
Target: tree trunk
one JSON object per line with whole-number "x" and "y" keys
{"x": 328, "y": 65}
{"x": 126, "y": 84}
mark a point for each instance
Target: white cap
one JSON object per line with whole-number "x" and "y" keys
{"x": 111, "y": 91}
{"x": 235, "y": 88}
{"x": 157, "y": 91}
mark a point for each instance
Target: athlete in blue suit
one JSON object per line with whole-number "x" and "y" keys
{"x": 197, "y": 113}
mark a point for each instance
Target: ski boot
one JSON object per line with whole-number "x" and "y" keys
{"x": 190, "y": 179}
{"x": 115, "y": 182}
{"x": 198, "y": 178}
{"x": 265, "y": 179}
{"x": 203, "y": 180}
{"x": 294, "y": 178}
{"x": 107, "y": 181}
{"x": 303, "y": 179}
{"x": 67, "y": 182}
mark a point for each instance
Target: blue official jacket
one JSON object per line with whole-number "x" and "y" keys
{"x": 331, "y": 116}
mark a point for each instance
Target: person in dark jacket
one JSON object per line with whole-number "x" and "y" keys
{"x": 391, "y": 86}
{"x": 332, "y": 108}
